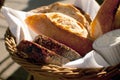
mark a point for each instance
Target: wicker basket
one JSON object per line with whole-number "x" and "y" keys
{"x": 54, "y": 72}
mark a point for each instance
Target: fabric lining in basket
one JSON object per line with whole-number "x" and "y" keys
{"x": 59, "y": 72}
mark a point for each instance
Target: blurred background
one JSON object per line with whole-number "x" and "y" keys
{"x": 9, "y": 70}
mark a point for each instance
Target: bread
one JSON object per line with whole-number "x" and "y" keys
{"x": 39, "y": 55}
{"x": 116, "y": 23}
{"x": 67, "y": 9}
{"x": 57, "y": 47}
{"x": 62, "y": 28}
{"x": 104, "y": 19}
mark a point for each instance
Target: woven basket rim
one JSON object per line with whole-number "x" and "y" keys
{"x": 54, "y": 70}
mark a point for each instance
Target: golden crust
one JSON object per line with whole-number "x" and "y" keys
{"x": 67, "y": 9}
{"x": 42, "y": 24}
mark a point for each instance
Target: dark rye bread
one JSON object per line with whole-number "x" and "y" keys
{"x": 57, "y": 47}
{"x": 39, "y": 55}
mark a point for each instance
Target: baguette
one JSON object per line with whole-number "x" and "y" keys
{"x": 62, "y": 28}
{"x": 39, "y": 55}
{"x": 67, "y": 9}
{"x": 104, "y": 19}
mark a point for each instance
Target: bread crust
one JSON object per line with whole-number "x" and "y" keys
{"x": 67, "y": 9}
{"x": 57, "y": 47}
{"x": 42, "y": 24}
{"x": 104, "y": 20}
{"x": 39, "y": 55}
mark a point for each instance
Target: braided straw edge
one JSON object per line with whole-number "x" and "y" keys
{"x": 54, "y": 70}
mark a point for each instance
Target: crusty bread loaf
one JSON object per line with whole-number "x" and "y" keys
{"x": 67, "y": 9}
{"x": 104, "y": 19}
{"x": 62, "y": 28}
{"x": 39, "y": 55}
{"x": 57, "y": 47}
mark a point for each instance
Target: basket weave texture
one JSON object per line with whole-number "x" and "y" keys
{"x": 57, "y": 72}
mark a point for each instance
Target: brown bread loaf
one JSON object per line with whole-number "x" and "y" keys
{"x": 62, "y": 28}
{"x": 57, "y": 47}
{"x": 39, "y": 55}
{"x": 105, "y": 20}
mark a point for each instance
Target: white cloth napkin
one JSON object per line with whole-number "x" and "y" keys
{"x": 91, "y": 60}
{"x": 91, "y": 7}
{"x": 16, "y": 23}
{"x": 108, "y": 45}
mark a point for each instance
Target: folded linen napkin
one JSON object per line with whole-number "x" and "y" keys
{"x": 16, "y": 23}
{"x": 90, "y": 60}
{"x": 108, "y": 46}
{"x": 91, "y": 7}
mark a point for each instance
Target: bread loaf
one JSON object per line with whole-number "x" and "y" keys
{"x": 57, "y": 47}
{"x": 67, "y": 9}
{"x": 104, "y": 19}
{"x": 39, "y": 55}
{"x": 62, "y": 28}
